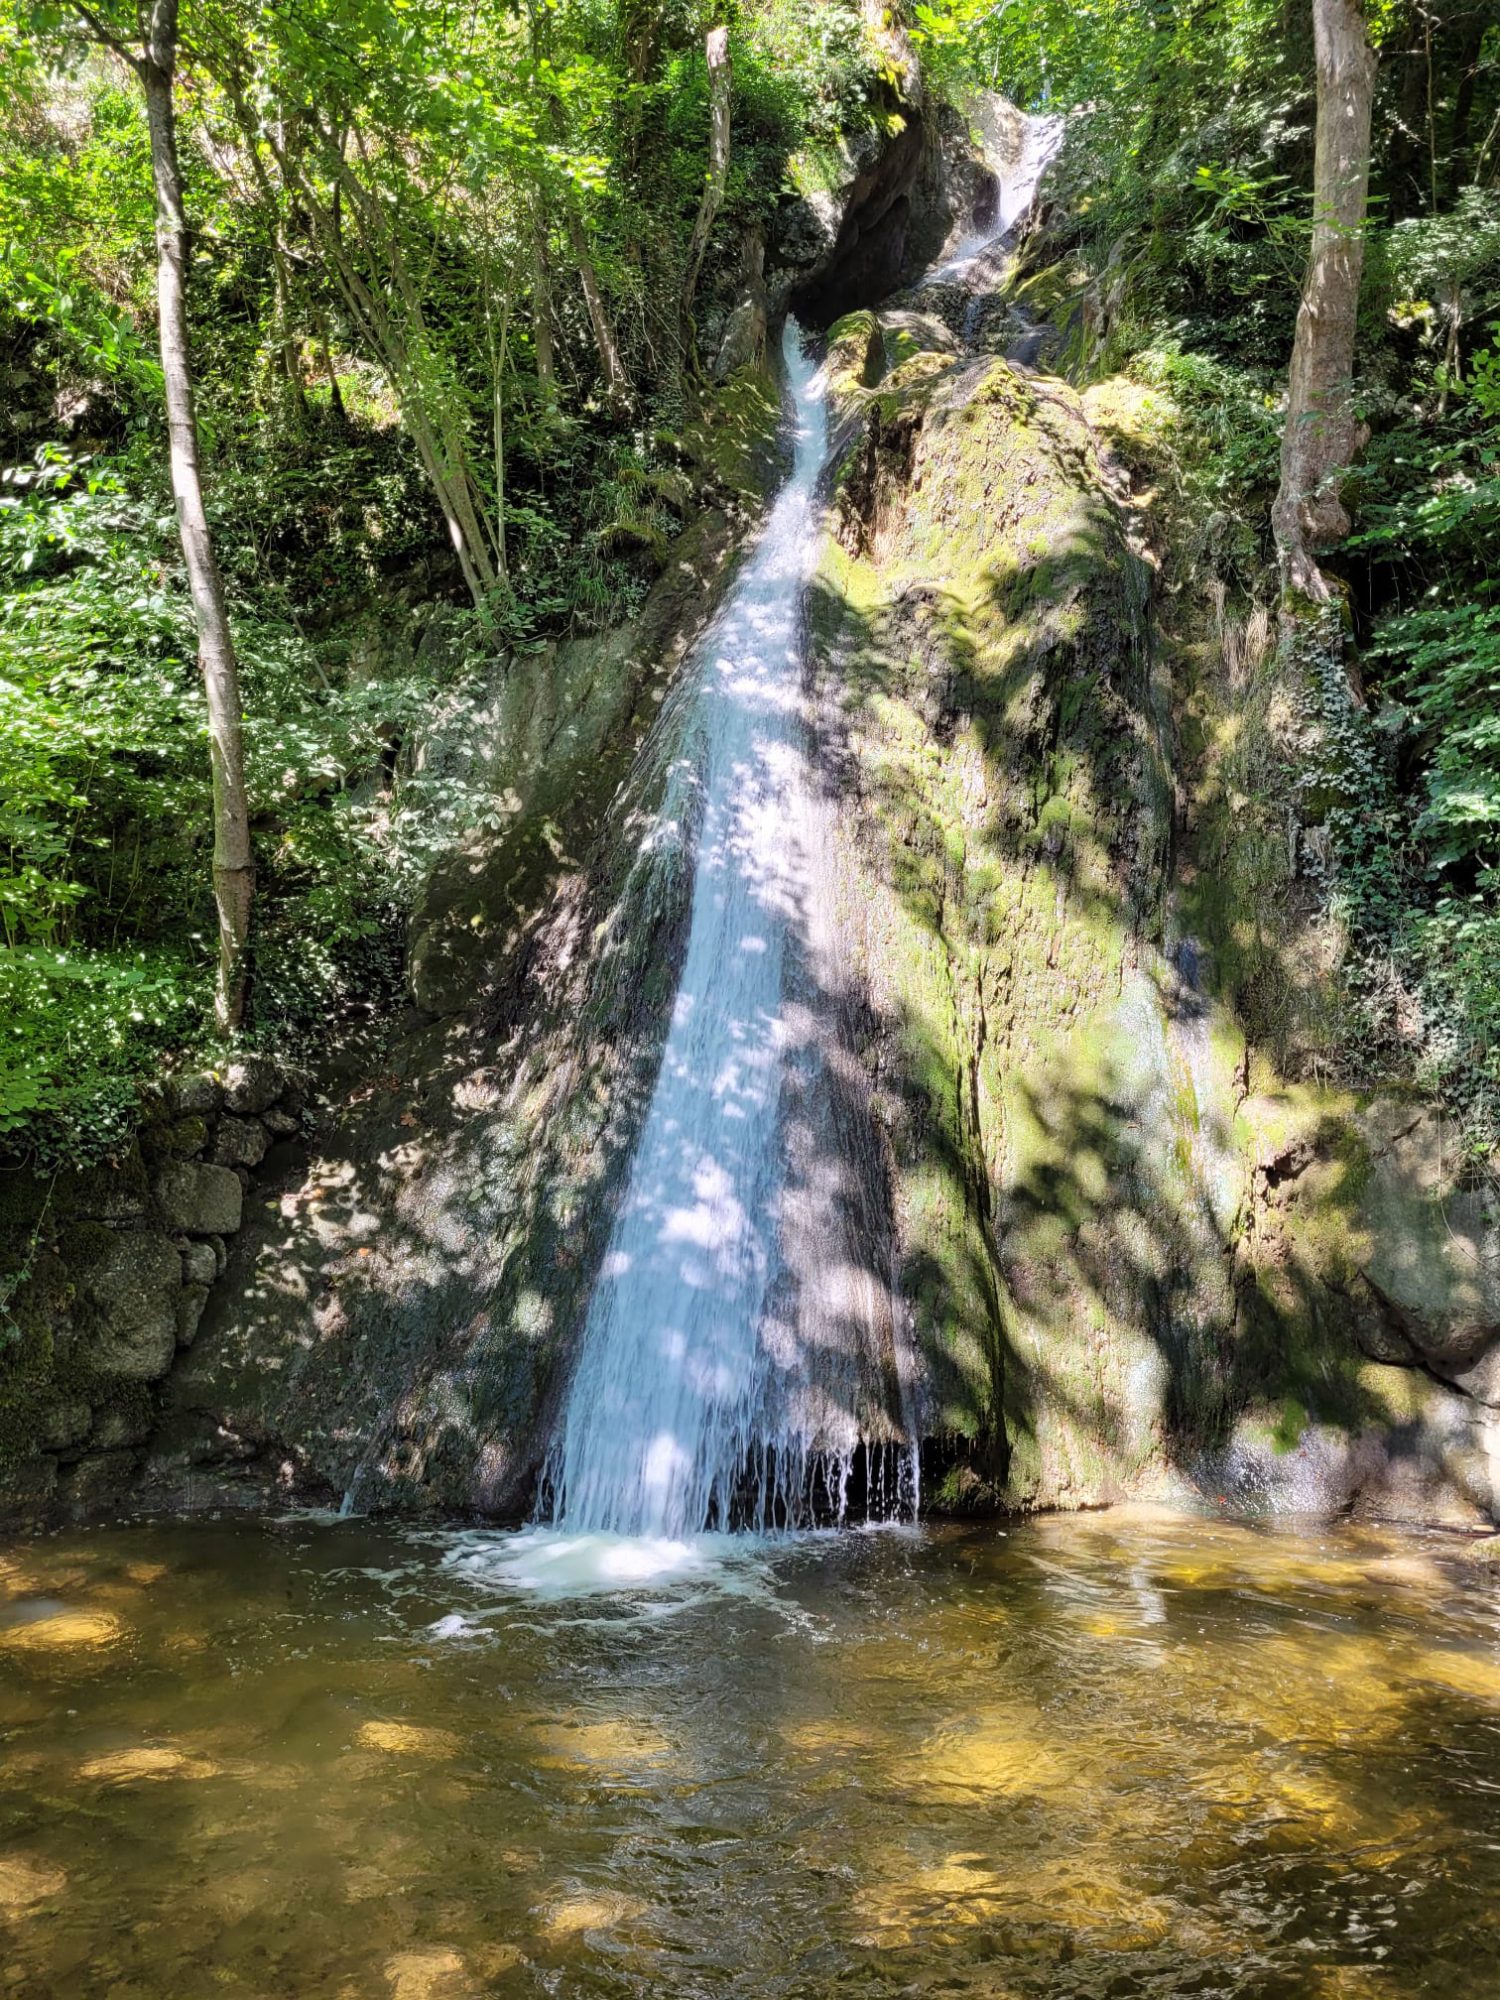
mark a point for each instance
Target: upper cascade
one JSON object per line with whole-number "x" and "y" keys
{"x": 1019, "y": 175}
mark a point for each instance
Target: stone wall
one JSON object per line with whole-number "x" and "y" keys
{"x": 117, "y": 1263}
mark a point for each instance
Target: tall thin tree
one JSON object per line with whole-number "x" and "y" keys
{"x": 716, "y": 50}
{"x": 150, "y": 45}
{"x": 1322, "y": 429}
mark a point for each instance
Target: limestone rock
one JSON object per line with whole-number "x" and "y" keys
{"x": 200, "y": 1199}
{"x": 101, "y": 1480}
{"x": 200, "y": 1262}
{"x": 240, "y": 1142}
{"x": 547, "y": 749}
{"x": 121, "y": 1425}
{"x": 280, "y": 1123}
{"x": 107, "y": 1192}
{"x": 252, "y": 1084}
{"x": 806, "y": 227}
{"x": 190, "y": 1303}
{"x": 194, "y": 1092}
{"x": 176, "y": 1138}
{"x": 65, "y": 1423}
{"x": 744, "y": 340}
{"x": 293, "y": 1098}
{"x": 130, "y": 1295}
{"x": 1431, "y": 1262}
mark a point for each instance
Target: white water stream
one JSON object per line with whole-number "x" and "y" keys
{"x": 675, "y": 1421}
{"x": 1018, "y": 182}
{"x": 700, "y": 1399}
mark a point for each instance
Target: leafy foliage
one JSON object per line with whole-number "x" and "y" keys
{"x": 401, "y": 392}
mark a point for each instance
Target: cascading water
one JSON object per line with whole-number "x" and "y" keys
{"x": 1019, "y": 180}
{"x": 688, "y": 1408}
{"x": 718, "y": 1378}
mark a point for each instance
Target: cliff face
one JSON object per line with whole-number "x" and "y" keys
{"x": 1072, "y": 990}
{"x": 1145, "y": 1254}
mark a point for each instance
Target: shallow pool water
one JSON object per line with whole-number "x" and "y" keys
{"x": 1091, "y": 1756}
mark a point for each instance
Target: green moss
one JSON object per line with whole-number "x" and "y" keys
{"x": 1290, "y": 1425}
{"x": 736, "y": 439}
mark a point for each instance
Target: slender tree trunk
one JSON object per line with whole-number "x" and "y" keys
{"x": 233, "y": 863}
{"x": 335, "y": 394}
{"x": 281, "y": 277}
{"x": 719, "y": 81}
{"x": 499, "y": 341}
{"x": 541, "y": 309}
{"x": 1322, "y": 433}
{"x": 291, "y": 359}
{"x": 401, "y": 351}
{"x": 616, "y": 381}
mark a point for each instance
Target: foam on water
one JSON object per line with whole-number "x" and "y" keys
{"x": 553, "y": 1565}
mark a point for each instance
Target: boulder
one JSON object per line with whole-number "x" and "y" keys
{"x": 252, "y": 1084}
{"x": 129, "y": 1295}
{"x": 200, "y": 1199}
{"x": 194, "y": 1093}
{"x": 190, "y": 1303}
{"x": 240, "y": 1142}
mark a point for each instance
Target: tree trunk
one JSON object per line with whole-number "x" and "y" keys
{"x": 233, "y": 863}
{"x": 616, "y": 381}
{"x": 541, "y": 310}
{"x": 336, "y": 408}
{"x": 401, "y": 350}
{"x": 719, "y": 81}
{"x": 1322, "y": 434}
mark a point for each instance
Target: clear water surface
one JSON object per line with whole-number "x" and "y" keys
{"x": 1106, "y": 1755}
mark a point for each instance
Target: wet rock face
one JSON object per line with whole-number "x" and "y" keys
{"x": 129, "y": 1295}
{"x": 199, "y": 1197}
{"x": 858, "y": 233}
{"x": 543, "y": 742}
{"x": 1138, "y": 1261}
{"x": 118, "y": 1263}
{"x": 989, "y": 727}
{"x": 1431, "y": 1254}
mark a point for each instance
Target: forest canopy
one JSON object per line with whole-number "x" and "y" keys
{"x": 455, "y": 284}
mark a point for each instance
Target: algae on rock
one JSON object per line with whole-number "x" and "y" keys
{"x": 1143, "y": 1252}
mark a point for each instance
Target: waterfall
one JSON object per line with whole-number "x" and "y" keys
{"x": 693, "y": 1403}
{"x": 1019, "y": 179}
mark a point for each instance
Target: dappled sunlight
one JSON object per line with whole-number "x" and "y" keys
{"x": 576, "y": 1915}
{"x": 1088, "y": 1755}
{"x": 435, "y": 1972}
{"x": 68, "y": 1634}
{"x": 148, "y": 1764}
{"x": 25, "y": 1883}
{"x": 617, "y": 1748}
{"x": 407, "y": 1739}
